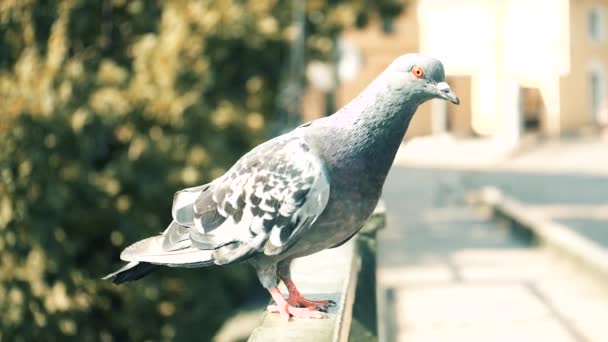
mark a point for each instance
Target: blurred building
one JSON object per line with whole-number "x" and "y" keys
{"x": 518, "y": 65}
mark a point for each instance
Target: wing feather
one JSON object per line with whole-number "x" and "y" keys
{"x": 262, "y": 204}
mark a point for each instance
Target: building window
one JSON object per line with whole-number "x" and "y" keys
{"x": 388, "y": 25}
{"x": 596, "y": 89}
{"x": 595, "y": 24}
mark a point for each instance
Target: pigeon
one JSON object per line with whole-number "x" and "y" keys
{"x": 297, "y": 194}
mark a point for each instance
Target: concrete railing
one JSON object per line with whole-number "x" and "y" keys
{"x": 557, "y": 237}
{"x": 346, "y": 275}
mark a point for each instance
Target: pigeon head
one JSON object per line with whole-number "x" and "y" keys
{"x": 419, "y": 78}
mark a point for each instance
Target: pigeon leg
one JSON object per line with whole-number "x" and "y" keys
{"x": 285, "y": 310}
{"x": 296, "y": 299}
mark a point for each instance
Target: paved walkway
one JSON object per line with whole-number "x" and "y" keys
{"x": 585, "y": 156}
{"x": 573, "y": 156}
{"x": 452, "y": 274}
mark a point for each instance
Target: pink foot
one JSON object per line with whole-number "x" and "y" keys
{"x": 302, "y": 302}
{"x": 286, "y": 310}
{"x": 296, "y": 299}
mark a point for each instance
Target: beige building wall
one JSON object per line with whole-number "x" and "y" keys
{"x": 587, "y": 55}
{"x": 503, "y": 58}
{"x": 501, "y": 45}
{"x": 459, "y": 117}
{"x": 537, "y": 52}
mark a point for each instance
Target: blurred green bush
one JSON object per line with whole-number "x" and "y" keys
{"x": 106, "y": 109}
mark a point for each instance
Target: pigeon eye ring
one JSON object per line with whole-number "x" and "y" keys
{"x": 418, "y": 71}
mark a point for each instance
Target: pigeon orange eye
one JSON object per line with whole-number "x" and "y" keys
{"x": 418, "y": 71}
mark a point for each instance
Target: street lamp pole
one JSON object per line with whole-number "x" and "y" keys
{"x": 292, "y": 94}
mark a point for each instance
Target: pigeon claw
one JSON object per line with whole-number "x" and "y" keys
{"x": 319, "y": 305}
{"x": 286, "y": 310}
{"x": 296, "y": 299}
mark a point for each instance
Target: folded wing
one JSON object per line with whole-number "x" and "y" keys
{"x": 261, "y": 205}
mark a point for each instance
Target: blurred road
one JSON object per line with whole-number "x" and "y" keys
{"x": 452, "y": 274}
{"x": 565, "y": 180}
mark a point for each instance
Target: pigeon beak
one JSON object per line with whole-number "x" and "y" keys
{"x": 445, "y": 92}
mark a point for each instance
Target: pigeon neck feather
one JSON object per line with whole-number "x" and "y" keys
{"x": 376, "y": 122}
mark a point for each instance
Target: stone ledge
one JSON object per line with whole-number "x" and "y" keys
{"x": 557, "y": 237}
{"x": 331, "y": 274}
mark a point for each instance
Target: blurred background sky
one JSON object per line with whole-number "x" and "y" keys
{"x": 108, "y": 107}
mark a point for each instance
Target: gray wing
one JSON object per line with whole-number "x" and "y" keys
{"x": 262, "y": 204}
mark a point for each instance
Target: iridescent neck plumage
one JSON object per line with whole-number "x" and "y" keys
{"x": 374, "y": 124}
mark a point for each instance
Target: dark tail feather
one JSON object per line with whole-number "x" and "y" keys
{"x": 131, "y": 272}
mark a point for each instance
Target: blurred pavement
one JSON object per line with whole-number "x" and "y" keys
{"x": 447, "y": 151}
{"x": 453, "y": 274}
{"x": 583, "y": 155}
{"x": 565, "y": 180}
{"x": 587, "y": 156}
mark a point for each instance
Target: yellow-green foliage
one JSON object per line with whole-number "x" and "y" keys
{"x": 106, "y": 109}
